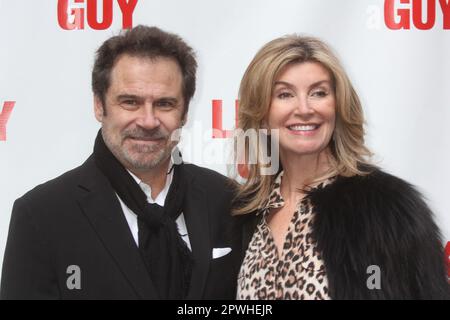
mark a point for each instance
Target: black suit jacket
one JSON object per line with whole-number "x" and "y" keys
{"x": 76, "y": 219}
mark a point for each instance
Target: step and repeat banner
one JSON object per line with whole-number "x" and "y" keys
{"x": 395, "y": 51}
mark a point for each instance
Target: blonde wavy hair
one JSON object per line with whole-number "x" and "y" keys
{"x": 348, "y": 157}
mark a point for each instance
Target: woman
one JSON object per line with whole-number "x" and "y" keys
{"x": 329, "y": 224}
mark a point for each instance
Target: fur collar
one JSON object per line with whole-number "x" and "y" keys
{"x": 380, "y": 220}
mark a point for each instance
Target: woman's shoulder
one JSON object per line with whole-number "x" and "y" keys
{"x": 375, "y": 199}
{"x": 380, "y": 215}
{"x": 375, "y": 182}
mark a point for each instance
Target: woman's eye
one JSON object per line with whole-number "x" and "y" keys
{"x": 319, "y": 94}
{"x": 284, "y": 95}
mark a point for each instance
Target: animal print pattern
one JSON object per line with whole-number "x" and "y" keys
{"x": 300, "y": 273}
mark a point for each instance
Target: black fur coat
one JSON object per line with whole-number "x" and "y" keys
{"x": 379, "y": 220}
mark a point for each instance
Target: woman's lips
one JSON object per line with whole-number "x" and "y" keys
{"x": 304, "y": 129}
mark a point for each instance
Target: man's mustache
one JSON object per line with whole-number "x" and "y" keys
{"x": 145, "y": 134}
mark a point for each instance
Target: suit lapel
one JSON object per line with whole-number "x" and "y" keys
{"x": 197, "y": 223}
{"x": 102, "y": 208}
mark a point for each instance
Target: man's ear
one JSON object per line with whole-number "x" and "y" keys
{"x": 98, "y": 109}
{"x": 184, "y": 119}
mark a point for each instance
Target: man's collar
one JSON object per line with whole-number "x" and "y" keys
{"x": 161, "y": 197}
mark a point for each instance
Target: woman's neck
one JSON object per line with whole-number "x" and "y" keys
{"x": 299, "y": 171}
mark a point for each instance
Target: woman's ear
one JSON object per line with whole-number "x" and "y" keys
{"x": 265, "y": 125}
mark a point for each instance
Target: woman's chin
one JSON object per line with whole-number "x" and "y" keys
{"x": 302, "y": 150}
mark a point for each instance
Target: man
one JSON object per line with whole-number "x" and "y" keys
{"x": 130, "y": 223}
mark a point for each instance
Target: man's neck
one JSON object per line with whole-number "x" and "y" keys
{"x": 155, "y": 178}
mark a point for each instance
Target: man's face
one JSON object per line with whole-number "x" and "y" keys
{"x": 144, "y": 105}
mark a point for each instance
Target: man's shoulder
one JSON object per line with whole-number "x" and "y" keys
{"x": 56, "y": 187}
{"x": 218, "y": 187}
{"x": 206, "y": 176}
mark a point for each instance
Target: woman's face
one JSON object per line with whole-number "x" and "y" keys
{"x": 303, "y": 108}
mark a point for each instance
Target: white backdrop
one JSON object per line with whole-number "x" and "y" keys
{"x": 402, "y": 76}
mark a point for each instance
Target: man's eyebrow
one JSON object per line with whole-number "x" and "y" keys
{"x": 128, "y": 96}
{"x": 167, "y": 99}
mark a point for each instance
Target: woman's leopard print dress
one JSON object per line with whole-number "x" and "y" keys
{"x": 300, "y": 273}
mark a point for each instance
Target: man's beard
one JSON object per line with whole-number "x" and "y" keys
{"x": 139, "y": 156}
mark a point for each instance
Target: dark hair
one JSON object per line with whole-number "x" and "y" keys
{"x": 144, "y": 41}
